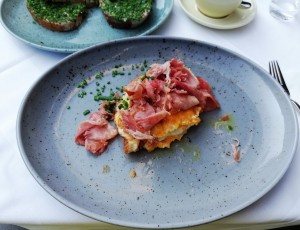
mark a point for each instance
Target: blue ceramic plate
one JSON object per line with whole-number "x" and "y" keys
{"x": 17, "y": 20}
{"x": 194, "y": 182}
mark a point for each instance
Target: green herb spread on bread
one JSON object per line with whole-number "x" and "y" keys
{"x": 125, "y": 13}
{"x": 88, "y": 3}
{"x": 57, "y": 16}
{"x": 67, "y": 15}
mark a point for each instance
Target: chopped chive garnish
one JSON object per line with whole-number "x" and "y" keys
{"x": 82, "y": 84}
{"x": 147, "y": 77}
{"x": 82, "y": 94}
{"x": 118, "y": 65}
{"x": 99, "y": 75}
{"x": 110, "y": 107}
{"x": 111, "y": 92}
{"x": 105, "y": 98}
{"x": 116, "y": 73}
{"x": 86, "y": 112}
{"x": 145, "y": 64}
{"x": 120, "y": 89}
{"x": 123, "y": 105}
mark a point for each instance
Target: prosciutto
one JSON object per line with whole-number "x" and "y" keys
{"x": 95, "y": 133}
{"x": 165, "y": 89}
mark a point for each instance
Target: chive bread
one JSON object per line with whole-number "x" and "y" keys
{"x": 57, "y": 16}
{"x": 125, "y": 14}
{"x": 88, "y": 3}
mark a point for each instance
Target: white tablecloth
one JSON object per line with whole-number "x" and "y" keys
{"x": 24, "y": 202}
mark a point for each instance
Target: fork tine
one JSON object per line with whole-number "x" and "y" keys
{"x": 272, "y": 70}
{"x": 275, "y": 71}
{"x": 280, "y": 78}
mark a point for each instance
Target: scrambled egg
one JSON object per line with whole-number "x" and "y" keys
{"x": 172, "y": 128}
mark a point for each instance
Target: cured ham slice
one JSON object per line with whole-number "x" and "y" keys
{"x": 182, "y": 102}
{"x": 156, "y": 98}
{"x": 95, "y": 133}
{"x": 162, "y": 105}
{"x": 165, "y": 89}
{"x": 181, "y": 80}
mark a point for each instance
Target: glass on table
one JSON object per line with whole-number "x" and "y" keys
{"x": 285, "y": 10}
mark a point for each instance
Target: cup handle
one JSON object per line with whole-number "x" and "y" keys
{"x": 245, "y": 5}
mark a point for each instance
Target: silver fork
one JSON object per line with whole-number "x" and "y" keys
{"x": 275, "y": 71}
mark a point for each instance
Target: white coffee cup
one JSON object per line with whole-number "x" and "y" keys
{"x": 217, "y": 8}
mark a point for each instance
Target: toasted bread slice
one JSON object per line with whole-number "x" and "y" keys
{"x": 57, "y": 17}
{"x": 130, "y": 144}
{"x": 125, "y": 14}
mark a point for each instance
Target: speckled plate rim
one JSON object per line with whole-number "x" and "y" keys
{"x": 240, "y": 17}
{"x": 294, "y": 141}
{"x": 71, "y": 50}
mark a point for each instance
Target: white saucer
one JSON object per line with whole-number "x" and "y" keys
{"x": 238, "y": 18}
